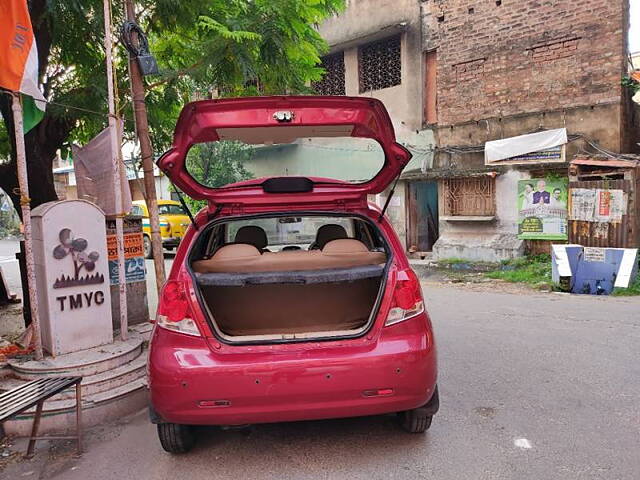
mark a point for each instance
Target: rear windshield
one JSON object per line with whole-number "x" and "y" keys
{"x": 243, "y": 154}
{"x": 283, "y": 231}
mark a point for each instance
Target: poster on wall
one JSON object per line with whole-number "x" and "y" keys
{"x": 597, "y": 205}
{"x": 542, "y": 209}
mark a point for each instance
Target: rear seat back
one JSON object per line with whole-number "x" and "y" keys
{"x": 245, "y": 258}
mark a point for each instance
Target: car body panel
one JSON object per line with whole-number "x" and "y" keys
{"x": 192, "y": 384}
{"x": 201, "y": 122}
{"x": 203, "y": 380}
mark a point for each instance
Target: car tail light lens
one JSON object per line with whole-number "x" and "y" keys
{"x": 174, "y": 310}
{"x": 407, "y": 298}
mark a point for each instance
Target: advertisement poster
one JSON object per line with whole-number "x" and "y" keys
{"x": 597, "y": 205}
{"x": 542, "y": 209}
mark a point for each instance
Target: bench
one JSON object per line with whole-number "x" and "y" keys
{"x": 22, "y": 398}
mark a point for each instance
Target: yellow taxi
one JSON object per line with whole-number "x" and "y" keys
{"x": 173, "y": 223}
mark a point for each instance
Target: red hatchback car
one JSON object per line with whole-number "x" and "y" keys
{"x": 290, "y": 297}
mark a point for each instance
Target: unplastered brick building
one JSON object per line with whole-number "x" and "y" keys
{"x": 456, "y": 74}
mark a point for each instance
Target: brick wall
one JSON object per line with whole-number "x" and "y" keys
{"x": 506, "y": 57}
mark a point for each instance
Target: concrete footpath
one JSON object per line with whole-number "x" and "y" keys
{"x": 536, "y": 386}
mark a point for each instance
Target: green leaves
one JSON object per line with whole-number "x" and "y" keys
{"x": 203, "y": 47}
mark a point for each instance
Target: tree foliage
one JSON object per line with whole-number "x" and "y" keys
{"x": 215, "y": 164}
{"x": 227, "y": 47}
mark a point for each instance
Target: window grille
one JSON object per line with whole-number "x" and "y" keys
{"x": 379, "y": 64}
{"x": 332, "y": 82}
{"x": 470, "y": 196}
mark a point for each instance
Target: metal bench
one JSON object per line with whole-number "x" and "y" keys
{"x": 22, "y": 398}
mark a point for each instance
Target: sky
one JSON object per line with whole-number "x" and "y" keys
{"x": 634, "y": 33}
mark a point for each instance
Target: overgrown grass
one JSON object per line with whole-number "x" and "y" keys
{"x": 533, "y": 270}
{"x": 453, "y": 261}
{"x": 634, "y": 289}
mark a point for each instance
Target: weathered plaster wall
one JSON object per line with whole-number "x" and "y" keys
{"x": 526, "y": 55}
{"x": 512, "y": 67}
{"x": 368, "y": 20}
{"x": 486, "y": 241}
{"x": 396, "y": 211}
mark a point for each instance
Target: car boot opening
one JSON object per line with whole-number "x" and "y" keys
{"x": 290, "y": 278}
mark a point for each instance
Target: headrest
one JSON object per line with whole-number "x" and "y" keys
{"x": 236, "y": 250}
{"x": 329, "y": 232}
{"x": 344, "y": 245}
{"x": 252, "y": 235}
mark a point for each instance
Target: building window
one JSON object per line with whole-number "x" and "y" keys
{"x": 379, "y": 64}
{"x": 469, "y": 196}
{"x": 332, "y": 82}
{"x": 430, "y": 88}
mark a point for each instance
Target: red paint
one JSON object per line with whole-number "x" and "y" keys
{"x": 202, "y": 381}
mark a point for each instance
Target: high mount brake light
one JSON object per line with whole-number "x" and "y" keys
{"x": 407, "y": 298}
{"x": 174, "y": 311}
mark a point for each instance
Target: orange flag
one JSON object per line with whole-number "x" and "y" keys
{"x": 19, "y": 55}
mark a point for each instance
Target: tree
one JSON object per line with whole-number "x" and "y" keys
{"x": 234, "y": 47}
{"x": 215, "y": 164}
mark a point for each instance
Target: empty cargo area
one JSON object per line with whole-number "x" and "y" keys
{"x": 290, "y": 277}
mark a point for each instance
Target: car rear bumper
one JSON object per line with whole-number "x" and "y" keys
{"x": 191, "y": 385}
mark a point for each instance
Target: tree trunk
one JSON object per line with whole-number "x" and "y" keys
{"x": 41, "y": 144}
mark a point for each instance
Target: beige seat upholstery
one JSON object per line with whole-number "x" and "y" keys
{"x": 244, "y": 258}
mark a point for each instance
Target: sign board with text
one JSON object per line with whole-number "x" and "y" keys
{"x": 70, "y": 256}
{"x": 542, "y": 209}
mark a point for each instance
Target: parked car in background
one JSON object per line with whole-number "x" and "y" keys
{"x": 173, "y": 223}
{"x": 291, "y": 298}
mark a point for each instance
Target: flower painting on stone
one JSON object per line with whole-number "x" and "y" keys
{"x": 76, "y": 250}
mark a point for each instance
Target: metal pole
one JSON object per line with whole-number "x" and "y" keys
{"x": 25, "y": 204}
{"x": 115, "y": 147}
{"x": 146, "y": 150}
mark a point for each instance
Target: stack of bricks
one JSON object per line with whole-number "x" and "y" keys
{"x": 500, "y": 58}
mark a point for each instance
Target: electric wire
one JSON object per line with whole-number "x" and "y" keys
{"x": 136, "y": 49}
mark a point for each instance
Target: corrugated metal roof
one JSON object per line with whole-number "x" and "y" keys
{"x": 606, "y": 163}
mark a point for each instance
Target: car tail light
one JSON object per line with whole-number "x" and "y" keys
{"x": 174, "y": 309}
{"x": 407, "y": 298}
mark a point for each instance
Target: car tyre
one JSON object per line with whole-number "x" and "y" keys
{"x": 415, "y": 421}
{"x": 419, "y": 419}
{"x": 176, "y": 438}
{"x": 146, "y": 245}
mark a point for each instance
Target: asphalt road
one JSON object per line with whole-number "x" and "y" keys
{"x": 533, "y": 386}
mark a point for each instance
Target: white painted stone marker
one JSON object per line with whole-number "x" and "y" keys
{"x": 72, "y": 276}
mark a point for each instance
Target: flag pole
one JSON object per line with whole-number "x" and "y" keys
{"x": 25, "y": 205}
{"x": 115, "y": 147}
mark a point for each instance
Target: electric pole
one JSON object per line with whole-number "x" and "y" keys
{"x": 146, "y": 151}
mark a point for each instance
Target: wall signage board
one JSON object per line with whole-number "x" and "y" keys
{"x": 134, "y": 266}
{"x": 70, "y": 254}
{"x": 134, "y": 270}
{"x": 542, "y": 209}
{"x": 594, "y": 254}
{"x": 547, "y": 146}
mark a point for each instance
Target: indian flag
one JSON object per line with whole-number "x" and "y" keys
{"x": 19, "y": 59}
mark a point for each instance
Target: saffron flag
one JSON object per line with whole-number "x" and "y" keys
{"x": 19, "y": 60}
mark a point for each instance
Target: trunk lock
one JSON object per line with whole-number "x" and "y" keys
{"x": 283, "y": 116}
